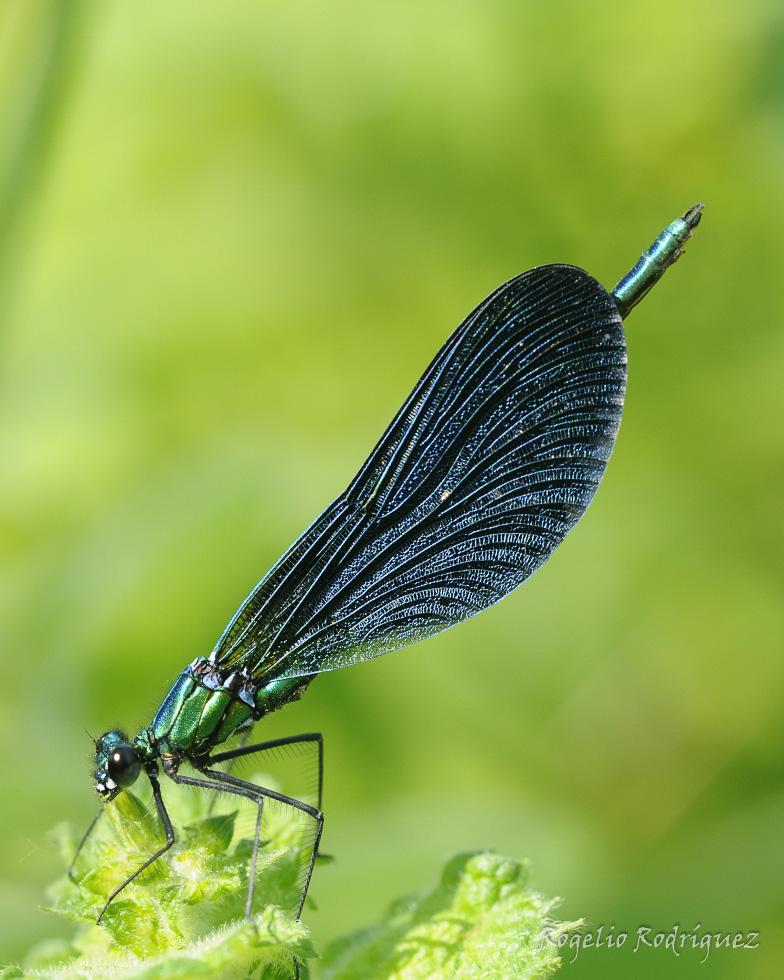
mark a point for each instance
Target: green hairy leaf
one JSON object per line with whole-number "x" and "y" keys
{"x": 481, "y": 920}
{"x": 184, "y": 916}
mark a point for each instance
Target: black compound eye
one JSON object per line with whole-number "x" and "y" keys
{"x": 123, "y": 765}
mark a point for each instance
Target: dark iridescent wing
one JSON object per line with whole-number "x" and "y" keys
{"x": 491, "y": 461}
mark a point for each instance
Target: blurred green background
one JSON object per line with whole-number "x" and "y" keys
{"x": 231, "y": 237}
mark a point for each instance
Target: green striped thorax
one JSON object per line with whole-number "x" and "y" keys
{"x": 204, "y": 707}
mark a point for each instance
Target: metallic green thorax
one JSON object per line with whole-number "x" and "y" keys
{"x": 654, "y": 262}
{"x": 204, "y": 708}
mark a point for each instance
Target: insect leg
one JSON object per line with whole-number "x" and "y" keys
{"x": 82, "y": 842}
{"x": 243, "y": 742}
{"x": 251, "y": 791}
{"x": 257, "y": 797}
{"x": 167, "y": 826}
{"x": 313, "y": 737}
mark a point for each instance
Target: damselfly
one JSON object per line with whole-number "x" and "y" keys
{"x": 492, "y": 459}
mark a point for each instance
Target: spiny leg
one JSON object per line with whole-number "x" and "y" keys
{"x": 167, "y": 826}
{"x": 82, "y": 842}
{"x": 240, "y": 787}
{"x": 243, "y": 742}
{"x": 243, "y": 750}
{"x": 317, "y": 815}
{"x": 230, "y": 755}
{"x": 257, "y": 798}
{"x": 254, "y": 859}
